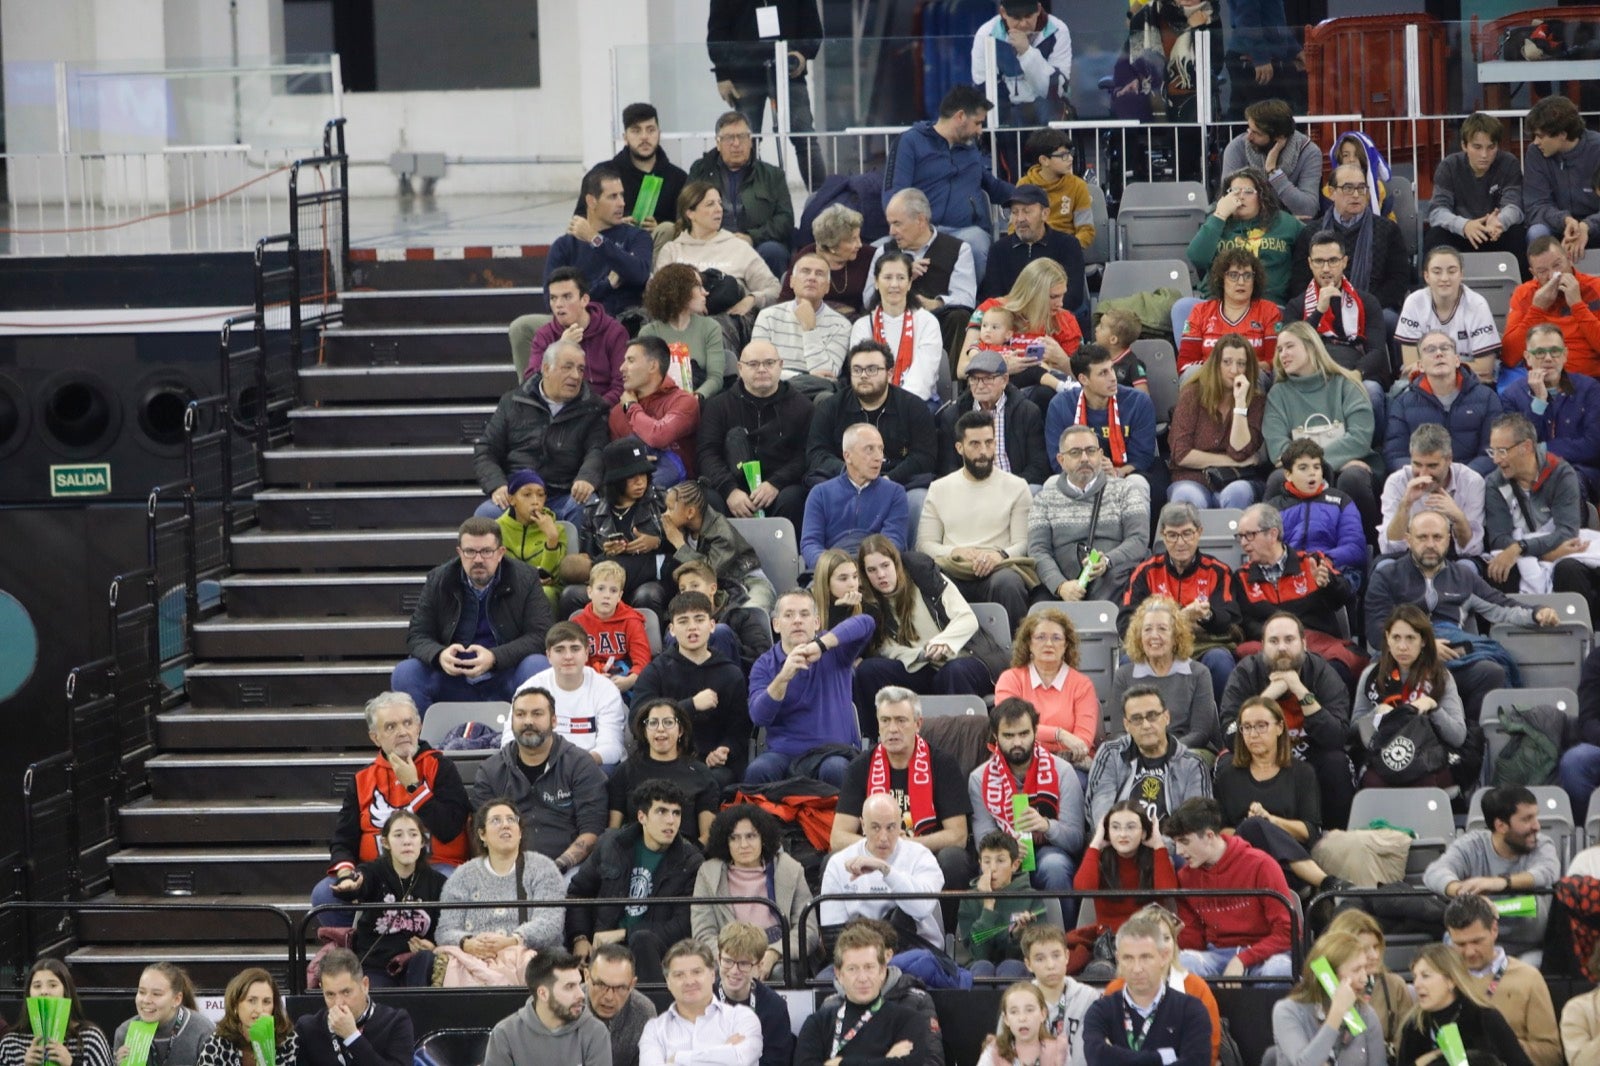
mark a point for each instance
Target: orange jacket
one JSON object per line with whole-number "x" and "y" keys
{"x": 1579, "y": 325}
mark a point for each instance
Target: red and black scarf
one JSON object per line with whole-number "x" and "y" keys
{"x": 1043, "y": 789}
{"x": 919, "y": 784}
{"x": 1119, "y": 447}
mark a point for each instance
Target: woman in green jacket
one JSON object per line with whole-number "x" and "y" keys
{"x": 529, "y": 530}
{"x": 1248, "y": 215}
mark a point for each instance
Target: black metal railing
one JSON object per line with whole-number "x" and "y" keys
{"x": 70, "y": 799}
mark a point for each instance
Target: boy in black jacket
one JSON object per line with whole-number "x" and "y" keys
{"x": 351, "y": 1030}
{"x": 859, "y": 1030}
{"x": 707, "y": 686}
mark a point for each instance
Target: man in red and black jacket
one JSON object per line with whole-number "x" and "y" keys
{"x": 406, "y": 775}
{"x": 1276, "y": 577}
{"x": 1200, "y": 584}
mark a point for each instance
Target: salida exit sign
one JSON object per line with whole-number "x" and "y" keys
{"x": 83, "y": 479}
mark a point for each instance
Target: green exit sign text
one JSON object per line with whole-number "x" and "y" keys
{"x": 83, "y": 479}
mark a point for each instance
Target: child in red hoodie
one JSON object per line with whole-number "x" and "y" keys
{"x": 1226, "y": 936}
{"x": 619, "y": 648}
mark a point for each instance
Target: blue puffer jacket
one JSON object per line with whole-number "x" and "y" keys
{"x": 1570, "y": 425}
{"x": 1475, "y": 406}
{"x": 1328, "y": 523}
{"x": 953, "y": 178}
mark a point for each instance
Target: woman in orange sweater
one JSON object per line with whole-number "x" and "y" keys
{"x": 1044, "y": 671}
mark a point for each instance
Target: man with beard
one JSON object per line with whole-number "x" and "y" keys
{"x": 642, "y": 156}
{"x": 552, "y": 1026}
{"x": 761, "y": 418}
{"x": 925, "y": 782}
{"x": 884, "y": 861}
{"x": 842, "y": 512}
{"x": 1146, "y": 764}
{"x": 1314, "y": 701}
{"x": 1018, "y": 424}
{"x": 1378, "y": 263}
{"x": 558, "y": 789}
{"x": 1506, "y": 858}
{"x": 975, "y": 522}
{"x": 870, "y": 1024}
{"x": 1053, "y": 822}
{"x": 653, "y": 408}
{"x": 810, "y": 336}
{"x": 1349, "y": 320}
{"x": 1434, "y": 481}
{"x": 902, "y": 420}
{"x": 609, "y": 986}
{"x": 614, "y": 256}
{"x": 1122, "y": 418}
{"x": 1449, "y": 590}
{"x": 1083, "y": 510}
{"x": 477, "y": 632}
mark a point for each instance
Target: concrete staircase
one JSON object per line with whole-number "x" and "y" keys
{"x": 351, "y": 516}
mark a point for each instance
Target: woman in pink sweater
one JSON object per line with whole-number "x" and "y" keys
{"x": 1044, "y": 660}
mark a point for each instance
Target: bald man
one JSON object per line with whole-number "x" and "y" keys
{"x": 883, "y": 861}
{"x": 763, "y": 419}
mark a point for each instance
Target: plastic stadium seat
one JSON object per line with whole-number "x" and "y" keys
{"x": 1124, "y": 277}
{"x": 1550, "y": 658}
{"x": 1425, "y": 811}
{"x": 947, "y": 706}
{"x": 776, "y": 546}
{"x": 992, "y": 619}
{"x": 1563, "y": 699}
{"x": 1590, "y": 263}
{"x": 1494, "y": 276}
{"x": 1099, "y": 251}
{"x": 452, "y": 1047}
{"x": 1591, "y": 827}
{"x": 573, "y": 543}
{"x": 652, "y": 628}
{"x": 1404, "y": 195}
{"x": 443, "y": 717}
{"x": 1161, "y": 367}
{"x": 1217, "y": 528}
{"x": 1157, "y": 219}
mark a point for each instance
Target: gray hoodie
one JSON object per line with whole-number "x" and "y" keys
{"x": 524, "y": 1040}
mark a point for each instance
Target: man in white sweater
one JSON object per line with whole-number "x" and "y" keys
{"x": 975, "y": 520}
{"x": 883, "y": 861}
{"x": 810, "y": 336}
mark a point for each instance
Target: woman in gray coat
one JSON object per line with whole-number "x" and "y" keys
{"x": 1309, "y": 1026}
{"x": 743, "y": 858}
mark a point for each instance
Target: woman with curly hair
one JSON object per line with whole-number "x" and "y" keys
{"x": 661, "y": 745}
{"x": 836, "y": 234}
{"x": 1159, "y": 643}
{"x": 1215, "y": 430}
{"x": 675, "y": 300}
{"x": 745, "y": 857}
{"x": 1044, "y": 672}
{"x": 1248, "y": 215}
{"x": 1238, "y": 305}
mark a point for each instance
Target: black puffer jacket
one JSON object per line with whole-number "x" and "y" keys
{"x": 931, "y": 583}
{"x": 522, "y": 434}
{"x": 777, "y": 426}
{"x": 519, "y": 613}
{"x": 903, "y": 420}
{"x": 1024, "y": 436}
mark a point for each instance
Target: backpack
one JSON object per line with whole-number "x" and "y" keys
{"x": 1533, "y": 746}
{"x": 804, "y": 809}
{"x": 1404, "y": 748}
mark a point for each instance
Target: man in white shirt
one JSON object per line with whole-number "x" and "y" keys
{"x": 976, "y": 519}
{"x": 810, "y": 336}
{"x": 882, "y": 861}
{"x": 1433, "y": 481}
{"x": 944, "y": 274}
{"x": 699, "y": 1029}
{"x": 589, "y": 710}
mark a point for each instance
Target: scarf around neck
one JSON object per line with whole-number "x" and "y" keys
{"x": 1345, "y": 318}
{"x": 919, "y": 783}
{"x": 999, "y": 786}
{"x": 907, "y": 348}
{"x": 1360, "y": 274}
{"x": 1119, "y": 446}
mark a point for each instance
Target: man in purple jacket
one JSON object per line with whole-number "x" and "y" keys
{"x": 800, "y": 691}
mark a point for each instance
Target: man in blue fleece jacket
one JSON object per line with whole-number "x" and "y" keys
{"x": 942, "y": 159}
{"x": 800, "y": 690}
{"x": 841, "y": 512}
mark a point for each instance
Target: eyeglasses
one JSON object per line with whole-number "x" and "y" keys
{"x": 1501, "y": 453}
{"x": 1255, "y": 727}
{"x": 1348, "y": 187}
{"x": 1061, "y": 153}
{"x": 1546, "y": 353}
{"x": 1245, "y": 536}
{"x": 660, "y": 723}
{"x": 761, "y": 364}
{"x": 499, "y": 820}
{"x": 1144, "y": 719}
{"x": 732, "y": 138}
{"x": 1441, "y": 349}
{"x": 1328, "y": 261}
{"x": 1240, "y": 275}
{"x": 981, "y": 378}
{"x": 1081, "y": 453}
{"x": 868, "y": 371}
{"x": 600, "y": 988}
{"x": 738, "y": 964}
{"x": 1248, "y": 190}
{"x": 1048, "y": 638}
{"x": 1180, "y": 534}
{"x": 479, "y": 553}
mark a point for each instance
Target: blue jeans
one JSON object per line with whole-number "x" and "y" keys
{"x": 322, "y": 894}
{"x": 427, "y": 685}
{"x": 772, "y": 766}
{"x": 1237, "y": 494}
{"x": 978, "y": 238}
{"x": 1535, "y": 231}
{"x": 1212, "y": 961}
{"x": 1220, "y": 663}
{"x": 566, "y": 508}
{"x": 1009, "y": 969}
{"x": 775, "y": 255}
{"x": 1580, "y": 776}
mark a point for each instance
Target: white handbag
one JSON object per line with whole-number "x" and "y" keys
{"x": 1320, "y": 429}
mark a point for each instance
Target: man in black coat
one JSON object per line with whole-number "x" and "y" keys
{"x": 352, "y": 1030}
{"x": 562, "y": 447}
{"x": 642, "y": 861}
{"x": 761, "y": 418}
{"x": 1019, "y": 424}
{"x": 741, "y": 60}
{"x": 1033, "y": 238}
{"x": 1350, "y": 321}
{"x": 478, "y": 629}
{"x": 1387, "y": 274}
{"x": 641, "y": 157}
{"x": 877, "y": 1026}
{"x": 1147, "y": 1023}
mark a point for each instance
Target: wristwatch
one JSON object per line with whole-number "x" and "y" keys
{"x": 597, "y": 241}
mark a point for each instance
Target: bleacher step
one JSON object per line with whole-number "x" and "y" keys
{"x": 226, "y": 637}
{"x": 399, "y": 384}
{"x": 162, "y": 822}
{"x": 219, "y": 920}
{"x": 415, "y": 345}
{"x": 378, "y": 426}
{"x": 439, "y": 307}
{"x": 285, "y": 510}
{"x": 231, "y": 870}
{"x": 258, "y": 686}
{"x": 408, "y": 549}
{"x": 209, "y": 965}
{"x": 401, "y": 467}
{"x": 324, "y": 595}
{"x": 254, "y": 775}
{"x": 190, "y": 728}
